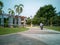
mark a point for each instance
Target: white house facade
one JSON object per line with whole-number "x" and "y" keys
{"x": 12, "y": 20}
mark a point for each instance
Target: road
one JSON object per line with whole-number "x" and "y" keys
{"x": 34, "y": 36}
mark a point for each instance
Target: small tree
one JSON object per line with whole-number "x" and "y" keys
{"x": 28, "y": 21}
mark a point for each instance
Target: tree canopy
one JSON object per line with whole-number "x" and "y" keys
{"x": 46, "y": 15}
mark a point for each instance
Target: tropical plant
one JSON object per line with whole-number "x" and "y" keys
{"x": 11, "y": 12}
{"x": 1, "y": 6}
{"x": 19, "y": 8}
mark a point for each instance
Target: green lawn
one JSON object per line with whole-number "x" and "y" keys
{"x": 11, "y": 30}
{"x": 57, "y": 28}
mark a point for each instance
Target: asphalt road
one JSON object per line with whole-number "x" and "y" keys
{"x": 18, "y": 39}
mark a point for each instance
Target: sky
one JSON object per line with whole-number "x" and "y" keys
{"x": 30, "y": 6}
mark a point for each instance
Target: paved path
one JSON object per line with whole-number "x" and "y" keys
{"x": 35, "y": 30}
{"x": 34, "y": 36}
{"x": 50, "y": 37}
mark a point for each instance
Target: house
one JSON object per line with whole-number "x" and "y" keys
{"x": 12, "y": 20}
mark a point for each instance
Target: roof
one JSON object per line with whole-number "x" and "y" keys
{"x": 20, "y": 16}
{"x": 8, "y": 15}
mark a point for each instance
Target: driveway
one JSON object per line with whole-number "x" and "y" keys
{"x": 34, "y": 36}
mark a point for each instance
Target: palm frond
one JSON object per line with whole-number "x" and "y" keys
{"x": 9, "y": 9}
{"x": 15, "y": 6}
{"x": 13, "y": 12}
{"x": 1, "y": 4}
{"x": 21, "y": 5}
{"x": 21, "y": 9}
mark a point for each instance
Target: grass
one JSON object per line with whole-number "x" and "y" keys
{"x": 11, "y": 30}
{"x": 57, "y": 28}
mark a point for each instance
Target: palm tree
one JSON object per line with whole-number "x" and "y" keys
{"x": 19, "y": 8}
{"x": 11, "y": 11}
{"x": 1, "y": 6}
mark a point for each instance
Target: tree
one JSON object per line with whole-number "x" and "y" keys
{"x": 28, "y": 21}
{"x": 56, "y": 21}
{"x": 35, "y": 21}
{"x": 19, "y": 8}
{"x": 58, "y": 13}
{"x": 11, "y": 12}
{"x": 47, "y": 12}
{"x": 1, "y": 6}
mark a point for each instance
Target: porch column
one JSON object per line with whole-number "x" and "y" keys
{"x": 19, "y": 21}
{"x": 24, "y": 22}
{"x": 2, "y": 21}
{"x": 15, "y": 22}
{"x": 11, "y": 21}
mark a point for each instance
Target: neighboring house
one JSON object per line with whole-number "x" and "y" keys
{"x": 12, "y": 20}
